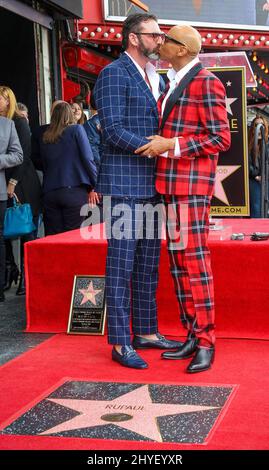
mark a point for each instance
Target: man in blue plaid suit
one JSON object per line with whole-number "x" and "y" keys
{"x": 126, "y": 93}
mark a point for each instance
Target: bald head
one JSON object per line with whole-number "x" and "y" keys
{"x": 188, "y": 36}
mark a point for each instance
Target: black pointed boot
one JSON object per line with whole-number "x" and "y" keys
{"x": 202, "y": 360}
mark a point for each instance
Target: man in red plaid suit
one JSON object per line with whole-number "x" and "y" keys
{"x": 193, "y": 130}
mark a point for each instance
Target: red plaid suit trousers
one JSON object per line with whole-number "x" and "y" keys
{"x": 190, "y": 264}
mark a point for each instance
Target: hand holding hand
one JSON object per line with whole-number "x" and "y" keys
{"x": 156, "y": 146}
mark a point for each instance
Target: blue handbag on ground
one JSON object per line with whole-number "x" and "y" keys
{"x": 18, "y": 220}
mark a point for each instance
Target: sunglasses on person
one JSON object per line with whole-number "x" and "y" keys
{"x": 154, "y": 36}
{"x": 169, "y": 38}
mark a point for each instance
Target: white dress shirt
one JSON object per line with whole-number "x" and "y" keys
{"x": 153, "y": 76}
{"x": 174, "y": 79}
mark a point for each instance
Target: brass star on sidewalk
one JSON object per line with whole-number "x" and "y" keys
{"x": 133, "y": 411}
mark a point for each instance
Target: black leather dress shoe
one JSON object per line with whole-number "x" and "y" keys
{"x": 184, "y": 352}
{"x": 129, "y": 358}
{"x": 2, "y": 296}
{"x": 161, "y": 343}
{"x": 203, "y": 359}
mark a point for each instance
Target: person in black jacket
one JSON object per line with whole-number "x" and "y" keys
{"x": 24, "y": 182}
{"x": 62, "y": 151}
{"x": 94, "y": 133}
{"x": 255, "y": 192}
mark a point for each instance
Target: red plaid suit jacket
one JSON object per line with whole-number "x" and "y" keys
{"x": 200, "y": 118}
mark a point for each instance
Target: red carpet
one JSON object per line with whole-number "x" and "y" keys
{"x": 240, "y": 269}
{"x": 32, "y": 376}
{"x": 242, "y": 304}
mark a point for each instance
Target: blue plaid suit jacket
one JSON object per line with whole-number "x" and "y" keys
{"x": 128, "y": 113}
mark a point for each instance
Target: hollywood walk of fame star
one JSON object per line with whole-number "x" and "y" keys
{"x": 229, "y": 102}
{"x": 222, "y": 173}
{"x": 89, "y": 294}
{"x": 134, "y": 411}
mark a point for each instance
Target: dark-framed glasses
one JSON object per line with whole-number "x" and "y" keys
{"x": 169, "y": 38}
{"x": 154, "y": 36}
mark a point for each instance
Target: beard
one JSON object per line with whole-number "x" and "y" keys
{"x": 154, "y": 56}
{"x": 149, "y": 53}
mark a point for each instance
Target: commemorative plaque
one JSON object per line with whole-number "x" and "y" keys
{"x": 88, "y": 308}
